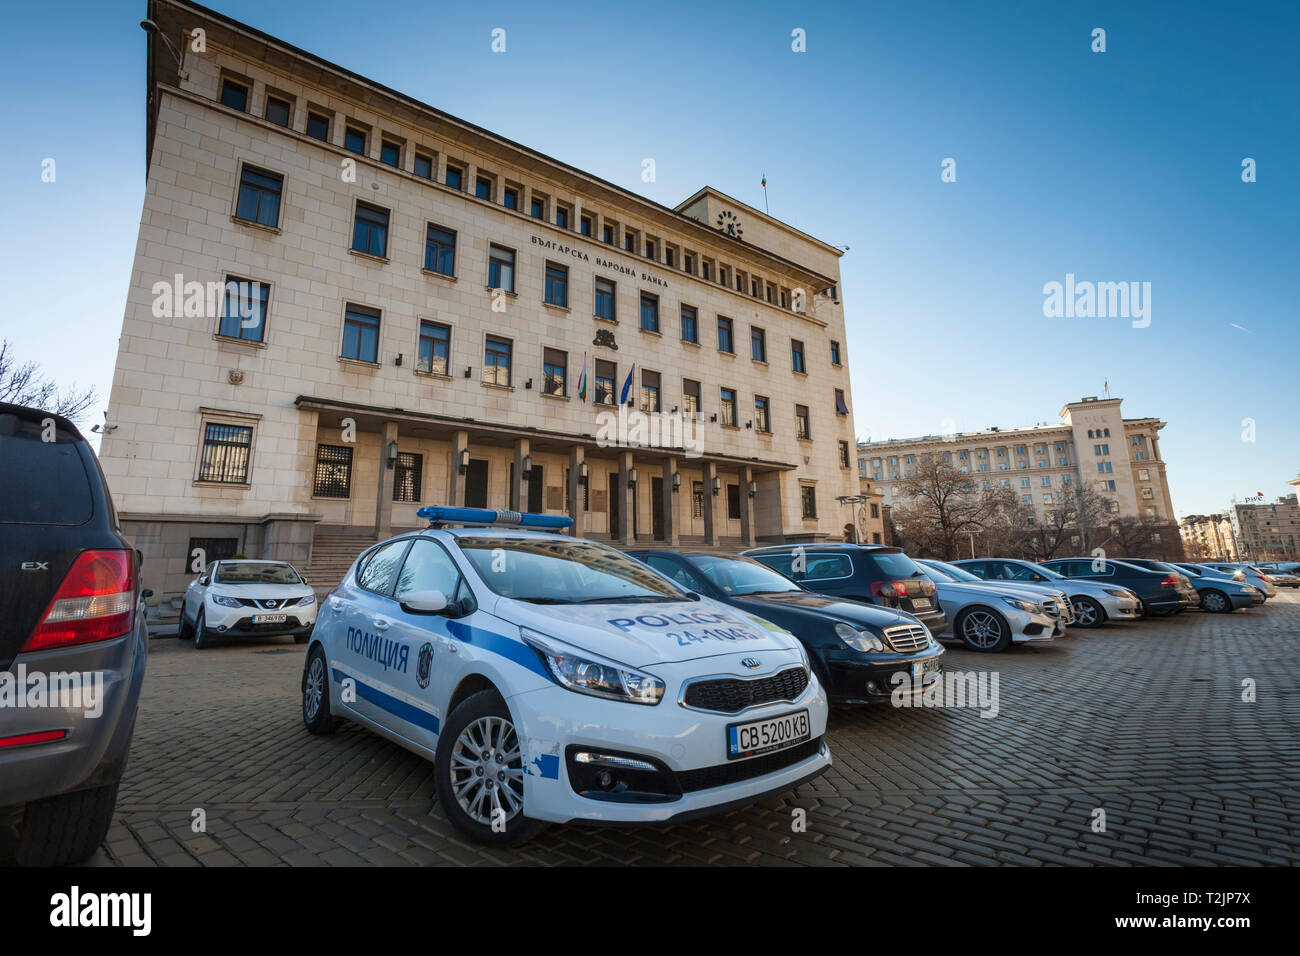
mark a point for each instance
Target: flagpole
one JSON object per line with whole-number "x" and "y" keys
{"x": 766, "y": 209}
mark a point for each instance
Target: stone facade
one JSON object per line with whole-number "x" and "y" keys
{"x": 339, "y": 150}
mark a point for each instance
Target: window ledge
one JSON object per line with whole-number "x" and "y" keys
{"x": 359, "y": 363}
{"x": 555, "y": 307}
{"x": 601, "y": 318}
{"x": 795, "y": 371}
{"x": 241, "y": 485}
{"x": 554, "y": 397}
{"x": 492, "y": 288}
{"x": 366, "y": 255}
{"x": 274, "y": 230}
{"x": 232, "y": 340}
{"x": 762, "y": 362}
{"x": 694, "y": 345}
{"x": 501, "y": 388}
{"x": 734, "y": 428}
{"x": 432, "y": 274}
{"x": 725, "y": 354}
{"x": 440, "y": 376}
{"x": 657, "y": 335}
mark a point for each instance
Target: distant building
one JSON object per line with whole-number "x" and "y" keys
{"x": 1208, "y": 538}
{"x": 1267, "y": 532}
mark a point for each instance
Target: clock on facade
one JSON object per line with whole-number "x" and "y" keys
{"x": 728, "y": 223}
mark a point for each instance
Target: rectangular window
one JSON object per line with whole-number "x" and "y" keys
{"x": 835, "y": 353}
{"x": 434, "y": 348}
{"x": 629, "y": 240}
{"x": 650, "y": 249}
{"x": 688, "y": 264}
{"x": 606, "y": 374}
{"x": 555, "y": 366}
{"x": 649, "y": 312}
{"x": 733, "y": 502}
{"x": 841, "y": 408}
{"x": 604, "y": 307}
{"x": 725, "y": 341}
{"x": 370, "y": 230}
{"x": 557, "y": 285}
{"x": 497, "y": 354}
{"x": 538, "y": 210}
{"x": 390, "y": 153}
{"x": 406, "y": 476}
{"x": 607, "y": 234}
{"x": 562, "y": 217}
{"x": 354, "y": 140}
{"x": 361, "y": 334}
{"x": 762, "y": 413}
{"x": 226, "y": 450}
{"x": 455, "y": 177}
{"x": 650, "y": 392}
{"x": 728, "y": 406}
{"x": 697, "y": 499}
{"x": 234, "y": 94}
{"x": 259, "y": 196}
{"x": 584, "y": 226}
{"x": 440, "y": 250}
{"x": 510, "y": 198}
{"x": 757, "y": 345}
{"x": 501, "y": 268}
{"x": 690, "y": 398}
{"x": 483, "y": 188}
{"x": 808, "y": 499}
{"x": 278, "y": 111}
{"x": 670, "y": 256}
{"x": 796, "y": 356}
{"x": 333, "y": 472}
{"x": 690, "y": 324}
{"x": 318, "y": 126}
{"x": 214, "y": 549}
{"x": 802, "y": 422}
{"x": 424, "y": 165}
{"x": 844, "y": 454}
{"x": 244, "y": 315}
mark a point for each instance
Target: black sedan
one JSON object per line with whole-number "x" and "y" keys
{"x": 1162, "y": 592}
{"x": 861, "y": 653}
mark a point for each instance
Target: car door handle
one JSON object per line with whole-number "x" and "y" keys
{"x": 382, "y": 624}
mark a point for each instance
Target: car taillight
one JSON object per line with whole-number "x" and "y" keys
{"x": 890, "y": 589}
{"x": 1266, "y": 579}
{"x": 1169, "y": 582}
{"x": 95, "y": 602}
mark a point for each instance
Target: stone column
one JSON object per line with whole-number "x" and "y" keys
{"x": 384, "y": 497}
{"x": 519, "y": 488}
{"x": 672, "y": 537}
{"x": 627, "y": 506}
{"x": 710, "y": 533}
{"x": 455, "y": 480}
{"x": 576, "y": 488}
{"x": 746, "y": 508}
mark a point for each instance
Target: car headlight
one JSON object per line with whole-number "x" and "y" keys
{"x": 858, "y": 640}
{"x": 309, "y": 600}
{"x": 1116, "y": 592}
{"x": 1020, "y": 605}
{"x": 585, "y": 673}
{"x": 225, "y": 601}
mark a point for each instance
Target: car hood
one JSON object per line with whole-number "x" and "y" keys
{"x": 969, "y": 591}
{"x": 1024, "y": 587}
{"x": 258, "y": 591}
{"x": 642, "y": 635}
{"x": 821, "y": 606}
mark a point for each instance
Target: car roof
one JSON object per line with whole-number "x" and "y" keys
{"x": 822, "y": 546}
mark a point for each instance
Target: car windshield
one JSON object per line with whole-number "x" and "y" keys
{"x": 935, "y": 575}
{"x": 256, "y": 572}
{"x": 563, "y": 571}
{"x": 742, "y": 576}
{"x": 954, "y": 572}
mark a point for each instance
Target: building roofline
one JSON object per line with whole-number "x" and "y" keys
{"x": 766, "y": 217}
{"x": 264, "y": 37}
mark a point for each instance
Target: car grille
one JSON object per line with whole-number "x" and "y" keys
{"x": 730, "y": 695}
{"x": 738, "y": 770}
{"x": 268, "y": 604}
{"x": 1066, "y": 609}
{"x": 907, "y": 637}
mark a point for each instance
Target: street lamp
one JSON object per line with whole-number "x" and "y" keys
{"x": 392, "y": 453}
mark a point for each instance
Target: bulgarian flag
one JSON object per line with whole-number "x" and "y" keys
{"x": 765, "y": 180}
{"x": 582, "y": 379}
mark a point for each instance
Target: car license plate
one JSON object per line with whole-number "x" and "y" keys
{"x": 925, "y": 668}
{"x": 920, "y": 604}
{"x": 764, "y": 736}
{"x": 270, "y": 618}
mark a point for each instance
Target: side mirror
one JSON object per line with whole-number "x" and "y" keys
{"x": 424, "y": 602}
{"x": 146, "y": 594}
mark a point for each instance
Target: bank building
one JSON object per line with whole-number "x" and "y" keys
{"x": 346, "y": 304}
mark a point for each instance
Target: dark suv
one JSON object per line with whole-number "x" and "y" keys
{"x": 872, "y": 573}
{"x": 1162, "y": 593}
{"x": 72, "y": 624}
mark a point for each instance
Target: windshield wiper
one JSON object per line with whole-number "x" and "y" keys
{"x": 627, "y": 599}
{"x": 539, "y": 599}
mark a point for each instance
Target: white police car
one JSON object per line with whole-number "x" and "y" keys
{"x": 555, "y": 679}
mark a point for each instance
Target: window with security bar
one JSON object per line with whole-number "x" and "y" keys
{"x": 406, "y": 476}
{"x": 333, "y": 472}
{"x": 226, "y": 450}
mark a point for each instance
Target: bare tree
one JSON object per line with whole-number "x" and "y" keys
{"x": 942, "y": 505}
{"x": 23, "y": 383}
{"x": 1079, "y": 512}
{"x": 1132, "y": 537}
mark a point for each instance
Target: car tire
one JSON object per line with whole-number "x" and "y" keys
{"x": 1087, "y": 612}
{"x": 1216, "y": 602}
{"x": 183, "y": 631}
{"x": 201, "y": 638}
{"x": 482, "y": 718}
{"x": 67, "y": 828}
{"x": 983, "y": 629}
{"x": 316, "y": 715}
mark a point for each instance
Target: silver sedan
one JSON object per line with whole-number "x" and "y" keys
{"x": 1094, "y": 603}
{"x": 986, "y": 617}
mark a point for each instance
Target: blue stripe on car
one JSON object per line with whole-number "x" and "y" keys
{"x": 498, "y": 644}
{"x": 398, "y": 708}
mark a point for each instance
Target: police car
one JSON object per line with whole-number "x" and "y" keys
{"x": 553, "y": 679}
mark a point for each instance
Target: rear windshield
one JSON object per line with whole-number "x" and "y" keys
{"x": 256, "y": 573}
{"x": 44, "y": 482}
{"x": 893, "y": 564}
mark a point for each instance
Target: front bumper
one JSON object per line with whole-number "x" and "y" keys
{"x": 858, "y": 678}
{"x": 689, "y": 746}
{"x": 224, "y": 621}
{"x": 97, "y": 728}
{"x": 1029, "y": 626}
{"x": 1120, "y": 608}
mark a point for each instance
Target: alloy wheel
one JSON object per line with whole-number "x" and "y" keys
{"x": 981, "y": 629}
{"x": 314, "y": 688}
{"x": 487, "y": 770}
{"x": 1085, "y": 613}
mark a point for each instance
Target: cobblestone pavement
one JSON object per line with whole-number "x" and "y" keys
{"x": 1143, "y": 721}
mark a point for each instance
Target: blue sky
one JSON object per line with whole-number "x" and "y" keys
{"x": 1115, "y": 166}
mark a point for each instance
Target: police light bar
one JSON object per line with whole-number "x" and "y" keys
{"x": 441, "y": 515}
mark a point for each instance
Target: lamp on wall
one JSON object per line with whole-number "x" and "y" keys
{"x": 717, "y": 484}
{"x": 392, "y": 453}
{"x": 464, "y": 460}
{"x": 677, "y": 482}
{"x": 631, "y": 476}
{"x": 582, "y": 472}
{"x": 468, "y": 370}
{"x": 528, "y": 467}
{"x": 753, "y": 488}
